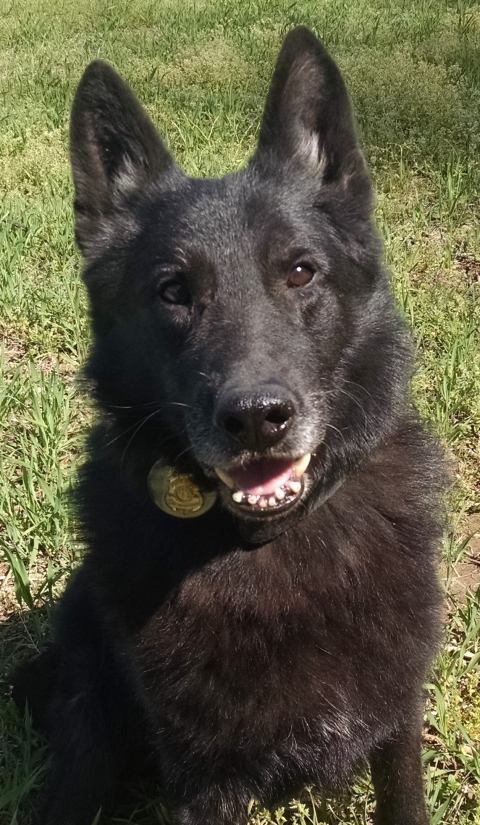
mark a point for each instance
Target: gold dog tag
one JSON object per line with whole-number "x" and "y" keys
{"x": 177, "y": 494}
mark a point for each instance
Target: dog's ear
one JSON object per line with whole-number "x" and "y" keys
{"x": 307, "y": 115}
{"x": 114, "y": 149}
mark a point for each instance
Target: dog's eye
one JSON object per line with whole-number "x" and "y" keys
{"x": 300, "y": 275}
{"x": 174, "y": 292}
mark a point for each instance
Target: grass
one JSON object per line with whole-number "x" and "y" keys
{"x": 202, "y": 70}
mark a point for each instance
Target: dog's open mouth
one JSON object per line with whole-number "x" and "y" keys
{"x": 266, "y": 486}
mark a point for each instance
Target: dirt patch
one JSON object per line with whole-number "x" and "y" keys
{"x": 66, "y": 367}
{"x": 470, "y": 265}
{"x": 8, "y": 601}
{"x": 466, "y": 575}
{"x": 13, "y": 351}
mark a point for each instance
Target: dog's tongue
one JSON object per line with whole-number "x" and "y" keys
{"x": 262, "y": 477}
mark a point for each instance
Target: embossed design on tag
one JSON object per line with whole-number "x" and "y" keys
{"x": 177, "y": 494}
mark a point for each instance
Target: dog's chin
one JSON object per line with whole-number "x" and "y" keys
{"x": 265, "y": 490}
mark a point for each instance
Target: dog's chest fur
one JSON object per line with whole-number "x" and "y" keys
{"x": 286, "y": 648}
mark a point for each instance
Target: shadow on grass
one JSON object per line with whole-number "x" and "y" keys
{"x": 24, "y": 749}
{"x": 24, "y": 758}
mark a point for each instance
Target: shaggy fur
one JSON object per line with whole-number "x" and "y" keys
{"x": 236, "y": 321}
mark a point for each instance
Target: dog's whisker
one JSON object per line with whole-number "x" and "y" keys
{"x": 359, "y": 386}
{"x": 139, "y": 427}
{"x": 142, "y": 422}
{"x": 132, "y": 426}
{"x": 354, "y": 399}
{"x": 159, "y": 404}
{"x": 335, "y": 429}
{"x": 130, "y": 406}
{"x": 184, "y": 452}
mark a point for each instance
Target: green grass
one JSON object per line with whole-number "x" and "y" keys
{"x": 202, "y": 70}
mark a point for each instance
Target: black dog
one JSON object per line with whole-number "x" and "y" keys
{"x": 259, "y": 608}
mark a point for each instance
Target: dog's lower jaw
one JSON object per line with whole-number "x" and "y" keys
{"x": 261, "y": 529}
{"x": 269, "y": 506}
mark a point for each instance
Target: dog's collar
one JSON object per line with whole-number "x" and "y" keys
{"x": 179, "y": 495}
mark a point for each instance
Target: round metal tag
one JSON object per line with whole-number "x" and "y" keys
{"x": 177, "y": 494}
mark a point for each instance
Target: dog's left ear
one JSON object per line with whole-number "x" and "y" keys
{"x": 307, "y": 115}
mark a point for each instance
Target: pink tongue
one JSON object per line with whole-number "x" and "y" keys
{"x": 262, "y": 477}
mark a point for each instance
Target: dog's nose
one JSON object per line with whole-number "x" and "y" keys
{"x": 256, "y": 421}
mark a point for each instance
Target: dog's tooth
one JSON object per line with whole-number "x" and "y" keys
{"x": 301, "y": 465}
{"x": 252, "y": 499}
{"x": 295, "y": 486}
{"x": 272, "y": 501}
{"x": 225, "y": 478}
{"x": 279, "y": 494}
{"x": 263, "y": 502}
{"x": 237, "y": 496}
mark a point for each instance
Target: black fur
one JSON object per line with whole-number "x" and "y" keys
{"x": 244, "y": 656}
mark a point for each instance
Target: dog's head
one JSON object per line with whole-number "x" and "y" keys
{"x": 244, "y": 323}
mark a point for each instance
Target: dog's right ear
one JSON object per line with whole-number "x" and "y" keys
{"x": 114, "y": 149}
